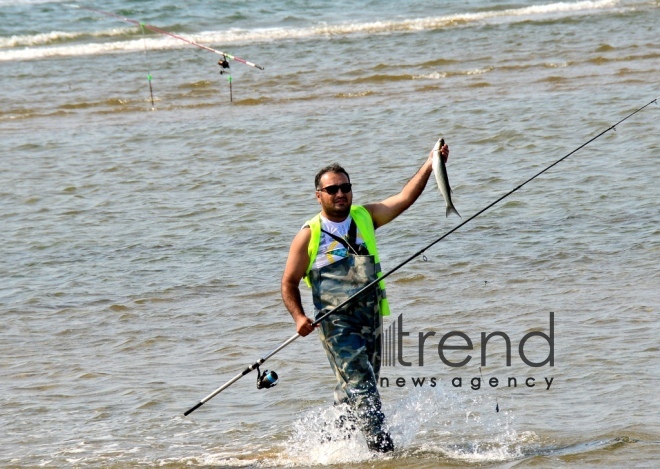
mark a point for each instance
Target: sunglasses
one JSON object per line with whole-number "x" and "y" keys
{"x": 332, "y": 190}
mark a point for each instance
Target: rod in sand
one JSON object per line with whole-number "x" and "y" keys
{"x": 373, "y": 284}
{"x": 146, "y": 61}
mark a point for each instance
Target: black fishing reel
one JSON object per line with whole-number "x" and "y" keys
{"x": 267, "y": 379}
{"x": 224, "y": 65}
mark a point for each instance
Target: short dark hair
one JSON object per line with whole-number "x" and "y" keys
{"x": 333, "y": 168}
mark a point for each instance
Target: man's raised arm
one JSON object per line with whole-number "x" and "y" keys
{"x": 390, "y": 208}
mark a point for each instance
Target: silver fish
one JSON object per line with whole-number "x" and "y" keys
{"x": 440, "y": 172}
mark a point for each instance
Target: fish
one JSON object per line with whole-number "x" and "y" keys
{"x": 440, "y": 172}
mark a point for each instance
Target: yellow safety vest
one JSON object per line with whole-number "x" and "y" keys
{"x": 365, "y": 224}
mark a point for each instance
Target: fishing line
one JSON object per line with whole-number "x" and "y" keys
{"x": 497, "y": 404}
{"x": 167, "y": 33}
{"x": 373, "y": 284}
{"x": 146, "y": 61}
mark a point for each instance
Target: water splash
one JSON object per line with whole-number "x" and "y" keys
{"x": 323, "y": 436}
{"x": 430, "y": 422}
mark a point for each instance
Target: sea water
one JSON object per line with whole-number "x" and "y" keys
{"x": 143, "y": 244}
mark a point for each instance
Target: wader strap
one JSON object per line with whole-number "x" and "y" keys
{"x": 352, "y": 233}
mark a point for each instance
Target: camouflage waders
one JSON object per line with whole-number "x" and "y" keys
{"x": 351, "y": 338}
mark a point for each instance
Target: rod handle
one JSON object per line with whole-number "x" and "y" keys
{"x": 193, "y": 409}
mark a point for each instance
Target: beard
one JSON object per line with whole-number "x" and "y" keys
{"x": 338, "y": 212}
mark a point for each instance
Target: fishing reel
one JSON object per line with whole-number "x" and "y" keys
{"x": 224, "y": 65}
{"x": 267, "y": 379}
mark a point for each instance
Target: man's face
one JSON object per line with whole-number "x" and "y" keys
{"x": 338, "y": 206}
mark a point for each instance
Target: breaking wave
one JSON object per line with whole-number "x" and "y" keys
{"x": 30, "y": 45}
{"x": 55, "y": 37}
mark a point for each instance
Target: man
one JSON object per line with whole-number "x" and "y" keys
{"x": 336, "y": 254}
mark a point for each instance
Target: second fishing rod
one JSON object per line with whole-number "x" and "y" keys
{"x": 269, "y": 378}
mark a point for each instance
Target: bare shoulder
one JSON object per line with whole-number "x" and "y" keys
{"x": 302, "y": 237}
{"x": 298, "y": 260}
{"x": 371, "y": 208}
{"x": 381, "y": 213}
{"x": 298, "y": 250}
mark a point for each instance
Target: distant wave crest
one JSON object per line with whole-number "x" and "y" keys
{"x": 55, "y": 37}
{"x": 31, "y": 46}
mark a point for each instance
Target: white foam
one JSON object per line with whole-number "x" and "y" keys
{"x": 455, "y": 425}
{"x": 242, "y": 36}
{"x": 383, "y": 27}
{"x": 316, "y": 440}
{"x": 89, "y": 49}
{"x": 57, "y": 36}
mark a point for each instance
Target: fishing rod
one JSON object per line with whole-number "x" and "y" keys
{"x": 224, "y": 68}
{"x": 146, "y": 61}
{"x": 271, "y": 378}
{"x": 167, "y": 33}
